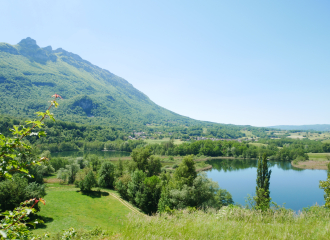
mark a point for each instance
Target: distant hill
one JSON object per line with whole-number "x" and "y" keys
{"x": 29, "y": 75}
{"x": 315, "y": 127}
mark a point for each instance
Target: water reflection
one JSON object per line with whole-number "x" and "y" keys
{"x": 238, "y": 164}
{"x": 296, "y": 187}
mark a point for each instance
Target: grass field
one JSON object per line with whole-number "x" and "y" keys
{"x": 67, "y": 207}
{"x": 257, "y": 144}
{"x": 152, "y": 141}
{"x": 319, "y": 156}
{"x": 299, "y": 135}
{"x": 230, "y": 224}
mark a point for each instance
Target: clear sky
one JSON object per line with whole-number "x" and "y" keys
{"x": 259, "y": 63}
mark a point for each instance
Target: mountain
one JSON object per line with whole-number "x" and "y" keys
{"x": 315, "y": 127}
{"x": 29, "y": 75}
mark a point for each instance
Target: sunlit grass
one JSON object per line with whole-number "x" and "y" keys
{"x": 230, "y": 224}
{"x": 318, "y": 156}
{"x": 66, "y": 207}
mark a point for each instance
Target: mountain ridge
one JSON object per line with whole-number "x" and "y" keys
{"x": 29, "y": 75}
{"x": 314, "y": 127}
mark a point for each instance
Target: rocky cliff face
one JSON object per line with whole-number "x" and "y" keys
{"x": 28, "y": 47}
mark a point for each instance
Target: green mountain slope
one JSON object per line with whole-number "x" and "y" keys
{"x": 29, "y": 75}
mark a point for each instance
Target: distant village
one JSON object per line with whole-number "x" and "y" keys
{"x": 142, "y": 136}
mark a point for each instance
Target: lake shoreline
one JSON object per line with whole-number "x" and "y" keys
{"x": 310, "y": 164}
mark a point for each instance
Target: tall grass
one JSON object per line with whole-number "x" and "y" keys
{"x": 231, "y": 223}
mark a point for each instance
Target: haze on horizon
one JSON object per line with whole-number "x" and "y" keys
{"x": 240, "y": 62}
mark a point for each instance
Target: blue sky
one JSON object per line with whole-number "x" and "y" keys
{"x": 259, "y": 63}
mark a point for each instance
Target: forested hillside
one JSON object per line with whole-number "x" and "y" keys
{"x": 91, "y": 95}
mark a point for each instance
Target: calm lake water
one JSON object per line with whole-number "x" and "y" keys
{"x": 101, "y": 154}
{"x": 298, "y": 188}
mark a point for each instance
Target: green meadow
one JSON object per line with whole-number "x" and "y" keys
{"x": 67, "y": 207}
{"x": 319, "y": 156}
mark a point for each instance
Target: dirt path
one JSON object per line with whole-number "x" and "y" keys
{"x": 125, "y": 203}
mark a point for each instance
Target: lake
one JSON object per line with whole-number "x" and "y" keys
{"x": 101, "y": 154}
{"x": 298, "y": 188}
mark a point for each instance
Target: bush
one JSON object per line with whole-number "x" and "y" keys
{"x": 16, "y": 190}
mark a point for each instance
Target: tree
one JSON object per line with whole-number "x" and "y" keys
{"x": 325, "y": 185}
{"x": 186, "y": 172}
{"x": 223, "y": 198}
{"x": 89, "y": 182}
{"x": 135, "y": 185}
{"x": 72, "y": 171}
{"x": 140, "y": 156}
{"x": 63, "y": 174}
{"x": 120, "y": 168}
{"x": 154, "y": 166}
{"x": 122, "y": 185}
{"x": 94, "y": 162}
{"x": 148, "y": 197}
{"x": 106, "y": 175}
{"x": 262, "y": 197}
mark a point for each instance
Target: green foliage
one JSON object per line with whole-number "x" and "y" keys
{"x": 135, "y": 186}
{"x": 122, "y": 185}
{"x": 154, "y": 166}
{"x": 120, "y": 168}
{"x": 141, "y": 156}
{"x": 72, "y": 170}
{"x": 14, "y": 223}
{"x": 223, "y": 198}
{"x": 94, "y": 162}
{"x": 106, "y": 175}
{"x": 58, "y": 163}
{"x": 262, "y": 197}
{"x": 201, "y": 194}
{"x": 186, "y": 172}
{"x": 16, "y": 190}
{"x": 325, "y": 185}
{"x": 16, "y": 156}
{"x": 88, "y": 182}
{"x": 148, "y": 197}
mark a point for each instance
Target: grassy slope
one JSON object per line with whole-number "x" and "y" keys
{"x": 240, "y": 224}
{"x": 66, "y": 207}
